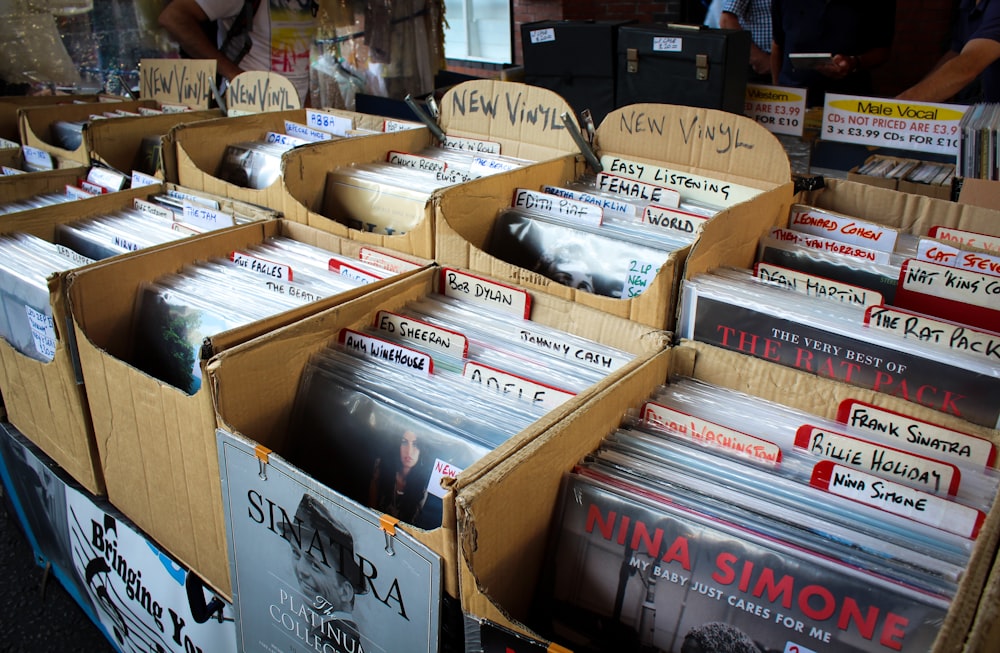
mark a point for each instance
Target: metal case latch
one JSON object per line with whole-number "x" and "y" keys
{"x": 632, "y": 58}
{"x": 701, "y": 67}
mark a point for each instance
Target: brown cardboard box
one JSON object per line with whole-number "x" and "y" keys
{"x": 47, "y": 401}
{"x": 256, "y": 383}
{"x": 19, "y": 187}
{"x": 891, "y": 183}
{"x": 199, "y": 149}
{"x": 36, "y": 124}
{"x": 687, "y": 141}
{"x": 9, "y": 126}
{"x": 156, "y": 442}
{"x": 980, "y": 192}
{"x": 499, "y": 573}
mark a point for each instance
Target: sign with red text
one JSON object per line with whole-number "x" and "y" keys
{"x": 780, "y": 109}
{"x": 923, "y": 126}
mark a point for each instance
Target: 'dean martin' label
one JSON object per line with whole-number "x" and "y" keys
{"x": 426, "y": 335}
{"x": 938, "y": 441}
{"x": 898, "y": 499}
{"x": 497, "y": 296}
{"x": 813, "y": 286}
{"x": 506, "y": 383}
{"x": 712, "y": 434}
{"x": 908, "y": 468}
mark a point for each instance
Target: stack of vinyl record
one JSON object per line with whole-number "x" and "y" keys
{"x": 427, "y": 391}
{"x": 717, "y": 521}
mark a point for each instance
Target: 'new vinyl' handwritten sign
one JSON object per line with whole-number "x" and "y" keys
{"x": 177, "y": 81}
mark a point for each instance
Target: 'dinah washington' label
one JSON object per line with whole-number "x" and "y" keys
{"x": 813, "y": 286}
{"x": 936, "y": 440}
{"x": 498, "y": 296}
{"x": 510, "y": 384}
{"x": 712, "y": 434}
{"x": 948, "y": 335}
{"x": 898, "y": 499}
{"x": 911, "y": 469}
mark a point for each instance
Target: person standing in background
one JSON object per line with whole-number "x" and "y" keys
{"x": 857, "y": 33}
{"x": 755, "y": 17}
{"x": 970, "y": 70}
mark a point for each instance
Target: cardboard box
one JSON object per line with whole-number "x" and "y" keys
{"x": 891, "y": 183}
{"x": 47, "y": 401}
{"x": 36, "y": 124}
{"x": 499, "y": 572}
{"x": 10, "y": 127}
{"x": 199, "y": 149}
{"x": 980, "y": 192}
{"x": 687, "y": 141}
{"x": 14, "y": 188}
{"x": 156, "y": 442}
{"x": 257, "y": 404}
{"x": 118, "y": 143}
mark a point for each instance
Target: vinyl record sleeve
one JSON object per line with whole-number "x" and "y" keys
{"x": 838, "y": 268}
{"x": 630, "y": 574}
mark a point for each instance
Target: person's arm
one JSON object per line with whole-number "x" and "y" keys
{"x": 760, "y": 61}
{"x": 775, "y": 61}
{"x": 182, "y": 20}
{"x": 955, "y": 72}
{"x": 847, "y": 64}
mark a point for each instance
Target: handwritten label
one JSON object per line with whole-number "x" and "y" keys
{"x": 174, "y": 108}
{"x": 179, "y": 81}
{"x": 515, "y": 386}
{"x": 638, "y": 190}
{"x": 7, "y": 144}
{"x": 711, "y": 434}
{"x": 966, "y": 238}
{"x": 92, "y": 189}
{"x": 475, "y": 101}
{"x": 497, "y": 296}
{"x": 73, "y": 256}
{"x": 328, "y": 122}
{"x": 291, "y": 291}
{"x": 348, "y": 271}
{"x": 7, "y": 171}
{"x": 257, "y": 91}
{"x": 390, "y": 126}
{"x": 471, "y": 145}
{"x": 546, "y": 35}
{"x": 306, "y": 133}
{"x": 185, "y": 229}
{"x": 577, "y": 211}
{"x": 641, "y": 274}
{"x": 607, "y": 205}
{"x": 206, "y": 218}
{"x": 897, "y": 499}
{"x": 285, "y": 140}
{"x": 950, "y": 283}
{"x": 844, "y": 228}
{"x": 416, "y": 161}
{"x": 149, "y": 111}
{"x": 921, "y": 126}
{"x": 937, "y": 440}
{"x": 43, "y": 333}
{"x": 829, "y": 245}
{"x": 668, "y": 44}
{"x": 153, "y": 209}
{"x": 675, "y": 221}
{"x": 106, "y": 178}
{"x": 36, "y": 159}
{"x": 398, "y": 356}
{"x": 813, "y": 286}
{"x": 941, "y": 333}
{"x": 78, "y": 193}
{"x": 975, "y": 262}
{"x": 426, "y": 335}
{"x": 688, "y": 184}
{"x": 386, "y": 261}
{"x": 262, "y": 266}
{"x": 780, "y": 109}
{"x": 887, "y": 462}
{"x": 936, "y": 252}
{"x": 181, "y": 195}
{"x": 481, "y": 166}
{"x": 140, "y": 179}
{"x": 442, "y": 470}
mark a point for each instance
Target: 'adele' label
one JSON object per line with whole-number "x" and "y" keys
{"x": 516, "y": 386}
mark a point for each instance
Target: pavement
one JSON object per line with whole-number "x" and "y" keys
{"x": 38, "y": 615}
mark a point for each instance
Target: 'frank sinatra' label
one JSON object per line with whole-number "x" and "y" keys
{"x": 898, "y": 499}
{"x": 966, "y": 238}
{"x": 937, "y": 440}
{"x": 471, "y": 145}
{"x": 575, "y": 210}
{"x": 425, "y": 335}
{"x": 910, "y": 469}
{"x": 813, "y": 286}
{"x": 272, "y": 269}
{"x": 416, "y": 161}
{"x": 497, "y": 296}
{"x": 712, "y": 434}
{"x": 404, "y": 358}
{"x": 691, "y": 185}
{"x": 638, "y": 190}
{"x": 843, "y": 228}
{"x": 507, "y": 383}
{"x": 671, "y": 220}
{"x": 608, "y": 206}
{"x": 386, "y": 261}
{"x": 829, "y": 245}
{"x": 933, "y": 331}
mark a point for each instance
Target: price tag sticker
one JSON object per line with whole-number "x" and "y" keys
{"x": 921, "y": 126}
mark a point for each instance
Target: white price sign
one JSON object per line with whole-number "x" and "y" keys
{"x": 780, "y": 109}
{"x": 922, "y": 126}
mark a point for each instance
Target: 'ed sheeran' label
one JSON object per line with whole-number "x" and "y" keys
{"x": 404, "y": 358}
{"x": 497, "y": 296}
{"x": 813, "y": 286}
{"x": 908, "y": 468}
{"x": 966, "y": 238}
{"x": 506, "y": 383}
{"x": 638, "y": 190}
{"x": 843, "y": 228}
{"x": 427, "y": 336}
{"x": 936, "y": 440}
{"x": 712, "y": 434}
{"x": 558, "y": 206}
{"x": 941, "y": 333}
{"x": 898, "y": 499}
